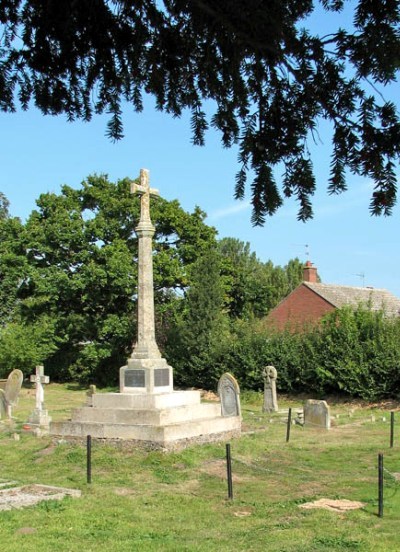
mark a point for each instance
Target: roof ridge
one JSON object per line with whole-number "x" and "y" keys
{"x": 365, "y": 288}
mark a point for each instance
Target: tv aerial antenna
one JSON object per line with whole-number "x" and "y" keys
{"x": 362, "y": 276}
{"x": 306, "y": 249}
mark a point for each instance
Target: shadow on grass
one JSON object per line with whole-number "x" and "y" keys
{"x": 76, "y": 386}
{"x": 84, "y": 387}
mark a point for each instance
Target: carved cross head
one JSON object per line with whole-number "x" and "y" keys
{"x": 145, "y": 192}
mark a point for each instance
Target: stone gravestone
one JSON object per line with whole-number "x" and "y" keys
{"x": 3, "y": 404}
{"x": 9, "y": 397}
{"x": 40, "y": 416}
{"x": 317, "y": 414}
{"x": 229, "y": 391}
{"x": 89, "y": 395}
{"x": 270, "y": 399}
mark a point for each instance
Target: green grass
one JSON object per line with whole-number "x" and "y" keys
{"x": 143, "y": 501}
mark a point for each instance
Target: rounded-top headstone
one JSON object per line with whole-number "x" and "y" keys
{"x": 13, "y": 386}
{"x": 228, "y": 391}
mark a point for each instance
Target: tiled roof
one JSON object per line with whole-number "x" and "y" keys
{"x": 339, "y": 296}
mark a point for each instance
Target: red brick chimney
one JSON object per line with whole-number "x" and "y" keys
{"x": 310, "y": 273}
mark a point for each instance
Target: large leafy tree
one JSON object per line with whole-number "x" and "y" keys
{"x": 252, "y": 287}
{"x": 12, "y": 265}
{"x": 81, "y": 272}
{"x": 194, "y": 341}
{"x": 4, "y": 206}
{"x": 270, "y": 77}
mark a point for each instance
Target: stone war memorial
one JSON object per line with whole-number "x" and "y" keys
{"x": 147, "y": 409}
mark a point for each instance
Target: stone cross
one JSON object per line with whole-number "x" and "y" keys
{"x": 39, "y": 379}
{"x": 143, "y": 189}
{"x": 270, "y": 399}
{"x": 146, "y": 346}
{"x": 40, "y": 417}
{"x": 146, "y": 371}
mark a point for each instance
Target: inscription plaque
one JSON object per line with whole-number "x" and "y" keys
{"x": 134, "y": 378}
{"x": 161, "y": 377}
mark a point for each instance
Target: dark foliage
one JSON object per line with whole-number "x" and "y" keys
{"x": 269, "y": 77}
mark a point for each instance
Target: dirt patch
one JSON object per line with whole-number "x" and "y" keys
{"x": 123, "y": 491}
{"x": 29, "y": 495}
{"x": 189, "y": 487}
{"x": 26, "y": 531}
{"x": 44, "y": 452}
{"x": 245, "y": 512}
{"x": 333, "y": 505}
{"x": 217, "y": 468}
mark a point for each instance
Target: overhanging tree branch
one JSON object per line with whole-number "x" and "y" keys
{"x": 87, "y": 57}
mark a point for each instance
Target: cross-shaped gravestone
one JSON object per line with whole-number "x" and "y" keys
{"x": 145, "y": 192}
{"x": 39, "y": 378}
{"x": 270, "y": 398}
{"x": 39, "y": 416}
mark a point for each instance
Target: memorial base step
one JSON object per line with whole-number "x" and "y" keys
{"x": 160, "y": 419}
{"x": 162, "y": 435}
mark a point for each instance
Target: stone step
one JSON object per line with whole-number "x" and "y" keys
{"x": 145, "y": 401}
{"x": 158, "y": 434}
{"x": 132, "y": 416}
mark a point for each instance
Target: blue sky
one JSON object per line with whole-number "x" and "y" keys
{"x": 40, "y": 153}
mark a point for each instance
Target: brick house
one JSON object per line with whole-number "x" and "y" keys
{"x": 311, "y": 300}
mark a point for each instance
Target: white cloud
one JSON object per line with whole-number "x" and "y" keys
{"x": 230, "y": 210}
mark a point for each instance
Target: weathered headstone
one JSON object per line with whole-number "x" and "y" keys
{"x": 229, "y": 394}
{"x": 13, "y": 386}
{"x": 89, "y": 395}
{"x": 40, "y": 416}
{"x": 270, "y": 398}
{"x": 317, "y": 414}
{"x": 9, "y": 398}
{"x": 3, "y": 404}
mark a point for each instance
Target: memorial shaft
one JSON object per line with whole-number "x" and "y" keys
{"x": 146, "y": 346}
{"x": 146, "y": 371}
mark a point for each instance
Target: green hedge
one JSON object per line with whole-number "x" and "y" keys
{"x": 356, "y": 352}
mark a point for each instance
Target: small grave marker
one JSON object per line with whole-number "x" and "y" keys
{"x": 39, "y": 416}
{"x": 89, "y": 395}
{"x": 270, "y": 398}
{"x": 3, "y": 404}
{"x": 229, "y": 394}
{"x": 317, "y": 414}
{"x": 9, "y": 397}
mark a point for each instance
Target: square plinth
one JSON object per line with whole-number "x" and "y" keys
{"x": 158, "y": 419}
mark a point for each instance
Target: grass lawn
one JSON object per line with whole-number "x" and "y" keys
{"x": 178, "y": 501}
